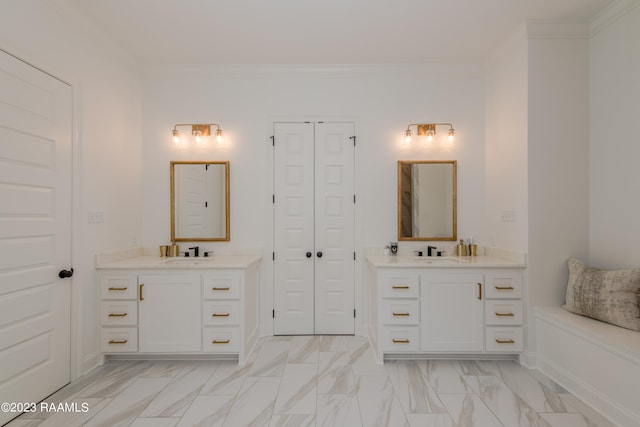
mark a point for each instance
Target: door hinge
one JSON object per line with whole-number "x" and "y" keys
{"x": 354, "y": 256}
{"x": 273, "y": 198}
{"x": 206, "y": 204}
{"x": 273, "y": 140}
{"x": 273, "y": 256}
{"x": 273, "y": 314}
{"x": 354, "y": 198}
{"x": 206, "y": 167}
{"x": 354, "y": 140}
{"x": 354, "y": 313}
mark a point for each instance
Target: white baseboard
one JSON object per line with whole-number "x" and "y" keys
{"x": 583, "y": 391}
{"x": 91, "y": 362}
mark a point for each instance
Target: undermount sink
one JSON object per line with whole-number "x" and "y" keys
{"x": 188, "y": 261}
{"x": 441, "y": 260}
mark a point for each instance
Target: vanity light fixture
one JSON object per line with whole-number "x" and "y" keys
{"x": 428, "y": 130}
{"x": 199, "y": 131}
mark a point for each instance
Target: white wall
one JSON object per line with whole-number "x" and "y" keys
{"x": 537, "y": 155}
{"x": 246, "y": 100}
{"x": 614, "y": 125}
{"x": 107, "y": 150}
{"x": 506, "y": 144}
{"x": 558, "y": 159}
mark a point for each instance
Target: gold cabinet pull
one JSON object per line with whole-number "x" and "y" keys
{"x": 504, "y": 288}
{"x": 117, "y": 314}
{"x": 221, "y": 314}
{"x": 112, "y": 288}
{"x": 141, "y": 297}
{"x": 403, "y": 341}
{"x": 505, "y": 314}
{"x": 220, "y": 341}
{"x": 479, "y": 290}
{"x": 118, "y": 342}
{"x": 399, "y": 287}
{"x": 505, "y": 341}
{"x": 220, "y": 289}
{"x": 402, "y": 314}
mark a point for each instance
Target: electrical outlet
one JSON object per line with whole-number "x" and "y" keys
{"x": 95, "y": 217}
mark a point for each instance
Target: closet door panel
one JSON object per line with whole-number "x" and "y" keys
{"x": 334, "y": 228}
{"x": 293, "y": 226}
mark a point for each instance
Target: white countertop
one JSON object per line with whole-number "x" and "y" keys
{"x": 443, "y": 262}
{"x": 156, "y": 262}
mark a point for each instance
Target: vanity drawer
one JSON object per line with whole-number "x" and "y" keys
{"x": 504, "y": 285}
{"x": 119, "y": 286}
{"x": 504, "y": 339}
{"x": 400, "y": 285}
{"x": 223, "y": 285}
{"x": 119, "y": 340}
{"x": 400, "y": 312}
{"x": 117, "y": 313}
{"x": 503, "y": 312}
{"x": 220, "y": 340}
{"x": 400, "y": 339}
{"x": 221, "y": 313}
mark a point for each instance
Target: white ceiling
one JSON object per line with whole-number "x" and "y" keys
{"x": 319, "y": 31}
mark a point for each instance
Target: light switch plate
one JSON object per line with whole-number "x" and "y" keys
{"x": 508, "y": 216}
{"x": 95, "y": 217}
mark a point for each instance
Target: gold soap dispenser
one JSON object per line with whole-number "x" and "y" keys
{"x": 174, "y": 250}
{"x": 461, "y": 249}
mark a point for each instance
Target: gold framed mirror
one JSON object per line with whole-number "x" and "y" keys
{"x": 200, "y": 201}
{"x": 427, "y": 200}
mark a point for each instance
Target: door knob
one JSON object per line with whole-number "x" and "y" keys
{"x": 309, "y": 254}
{"x": 319, "y": 254}
{"x": 63, "y": 274}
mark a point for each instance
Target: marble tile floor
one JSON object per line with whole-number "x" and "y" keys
{"x": 316, "y": 381}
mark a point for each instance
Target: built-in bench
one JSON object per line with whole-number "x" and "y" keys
{"x": 597, "y": 362}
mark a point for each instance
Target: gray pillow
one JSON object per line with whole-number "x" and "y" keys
{"x": 610, "y": 296}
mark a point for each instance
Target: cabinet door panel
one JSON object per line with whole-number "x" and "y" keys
{"x": 169, "y": 313}
{"x": 452, "y": 312}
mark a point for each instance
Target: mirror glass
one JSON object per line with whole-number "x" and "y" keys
{"x": 427, "y": 199}
{"x": 199, "y": 201}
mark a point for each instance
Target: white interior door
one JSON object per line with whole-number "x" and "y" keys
{"x": 35, "y": 232}
{"x": 334, "y": 228}
{"x": 314, "y": 228}
{"x": 293, "y": 225}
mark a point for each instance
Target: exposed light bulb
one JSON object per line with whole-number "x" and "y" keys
{"x": 219, "y": 136}
{"x": 451, "y": 136}
{"x": 175, "y": 136}
{"x": 429, "y": 136}
{"x": 407, "y": 137}
{"x": 198, "y": 136}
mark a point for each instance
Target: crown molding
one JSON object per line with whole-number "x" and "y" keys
{"x": 555, "y": 29}
{"x": 610, "y": 14}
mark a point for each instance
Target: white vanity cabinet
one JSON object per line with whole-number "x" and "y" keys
{"x": 459, "y": 309}
{"x": 169, "y": 313}
{"x": 207, "y": 309}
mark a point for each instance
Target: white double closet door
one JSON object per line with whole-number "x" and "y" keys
{"x": 314, "y": 228}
